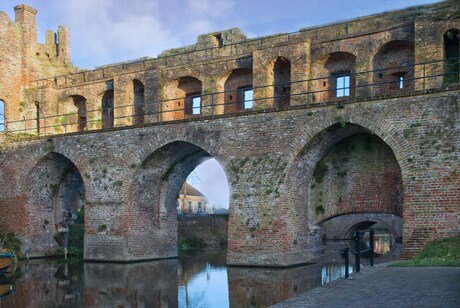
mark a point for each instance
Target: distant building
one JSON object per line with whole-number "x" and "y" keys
{"x": 191, "y": 201}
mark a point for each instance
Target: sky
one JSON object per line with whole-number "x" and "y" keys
{"x": 109, "y": 31}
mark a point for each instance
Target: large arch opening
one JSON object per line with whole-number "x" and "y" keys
{"x": 56, "y": 205}
{"x": 344, "y": 169}
{"x": 357, "y": 177}
{"x": 451, "y": 40}
{"x": 156, "y": 195}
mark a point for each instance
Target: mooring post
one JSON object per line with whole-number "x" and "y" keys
{"x": 358, "y": 252}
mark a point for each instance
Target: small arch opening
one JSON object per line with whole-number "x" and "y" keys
{"x": 451, "y": 40}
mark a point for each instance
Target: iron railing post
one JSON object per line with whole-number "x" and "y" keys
{"x": 358, "y": 252}
{"x": 424, "y": 76}
{"x": 371, "y": 246}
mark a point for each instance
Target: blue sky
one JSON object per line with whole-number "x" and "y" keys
{"x": 109, "y": 31}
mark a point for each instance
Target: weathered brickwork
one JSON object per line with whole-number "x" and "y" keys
{"x": 304, "y": 153}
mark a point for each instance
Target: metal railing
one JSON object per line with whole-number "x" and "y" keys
{"x": 358, "y": 240}
{"x": 314, "y": 92}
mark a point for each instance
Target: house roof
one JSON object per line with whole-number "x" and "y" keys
{"x": 191, "y": 191}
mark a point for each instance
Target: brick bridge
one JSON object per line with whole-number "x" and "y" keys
{"x": 309, "y": 127}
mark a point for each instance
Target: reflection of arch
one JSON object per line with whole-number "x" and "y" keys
{"x": 2, "y": 115}
{"x": 238, "y": 90}
{"x": 282, "y": 82}
{"x": 139, "y": 102}
{"x": 80, "y": 103}
{"x": 451, "y": 41}
{"x": 393, "y": 67}
{"x": 107, "y": 109}
{"x": 55, "y": 187}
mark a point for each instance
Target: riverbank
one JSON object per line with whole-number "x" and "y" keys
{"x": 202, "y": 232}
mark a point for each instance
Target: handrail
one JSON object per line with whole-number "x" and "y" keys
{"x": 357, "y": 238}
{"x": 306, "y": 92}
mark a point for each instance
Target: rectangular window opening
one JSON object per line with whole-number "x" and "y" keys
{"x": 248, "y": 99}
{"x": 342, "y": 86}
{"x": 196, "y": 105}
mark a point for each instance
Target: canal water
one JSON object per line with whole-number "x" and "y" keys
{"x": 200, "y": 279}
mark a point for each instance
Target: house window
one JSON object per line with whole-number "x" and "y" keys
{"x": 248, "y": 98}
{"x": 200, "y": 210}
{"x": 196, "y": 105}
{"x": 342, "y": 86}
{"x": 189, "y": 207}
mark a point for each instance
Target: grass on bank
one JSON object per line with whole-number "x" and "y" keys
{"x": 443, "y": 252}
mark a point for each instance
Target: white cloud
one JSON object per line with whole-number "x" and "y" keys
{"x": 109, "y": 31}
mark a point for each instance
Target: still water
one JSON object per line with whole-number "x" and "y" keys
{"x": 196, "y": 280}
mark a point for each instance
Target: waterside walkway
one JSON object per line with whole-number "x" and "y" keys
{"x": 383, "y": 286}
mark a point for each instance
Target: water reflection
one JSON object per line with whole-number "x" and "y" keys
{"x": 197, "y": 280}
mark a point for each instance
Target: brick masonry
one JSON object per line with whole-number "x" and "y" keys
{"x": 289, "y": 169}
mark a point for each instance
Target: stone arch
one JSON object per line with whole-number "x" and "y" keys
{"x": 282, "y": 82}
{"x": 139, "y": 102}
{"x": 55, "y": 187}
{"x": 451, "y": 54}
{"x": 310, "y": 147}
{"x": 393, "y": 67}
{"x": 238, "y": 90}
{"x": 341, "y": 227}
{"x": 107, "y": 103}
{"x": 334, "y": 76}
{"x": 155, "y": 189}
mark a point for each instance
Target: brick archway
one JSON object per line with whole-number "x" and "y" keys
{"x": 55, "y": 188}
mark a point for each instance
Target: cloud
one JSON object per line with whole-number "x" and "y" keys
{"x": 107, "y": 31}
{"x": 210, "y": 179}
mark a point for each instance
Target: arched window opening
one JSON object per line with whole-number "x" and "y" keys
{"x": 282, "y": 82}
{"x": 2, "y": 115}
{"x": 394, "y": 67}
{"x": 107, "y": 109}
{"x": 238, "y": 90}
{"x": 139, "y": 102}
{"x": 340, "y": 67}
{"x": 452, "y": 56}
{"x": 190, "y": 89}
{"x": 80, "y": 103}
